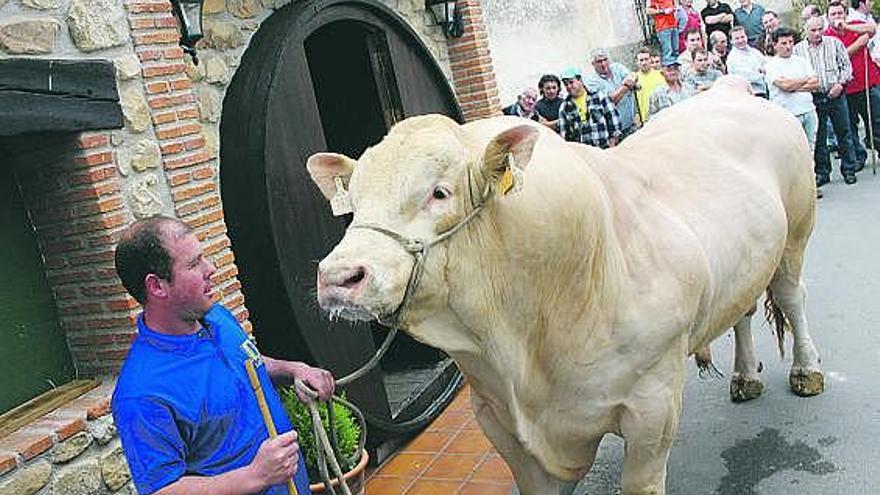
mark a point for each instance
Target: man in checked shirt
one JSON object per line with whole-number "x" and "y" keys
{"x": 831, "y": 63}
{"x": 585, "y": 116}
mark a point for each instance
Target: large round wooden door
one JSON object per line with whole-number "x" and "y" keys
{"x": 318, "y": 76}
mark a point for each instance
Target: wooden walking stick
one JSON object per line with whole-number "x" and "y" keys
{"x": 264, "y": 409}
{"x": 869, "y": 125}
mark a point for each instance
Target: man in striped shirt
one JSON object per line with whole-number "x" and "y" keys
{"x": 831, "y": 63}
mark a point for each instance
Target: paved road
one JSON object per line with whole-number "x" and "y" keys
{"x": 780, "y": 443}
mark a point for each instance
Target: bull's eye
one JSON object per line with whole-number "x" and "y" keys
{"x": 441, "y": 193}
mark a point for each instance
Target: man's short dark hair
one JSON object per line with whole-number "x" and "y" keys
{"x": 784, "y": 32}
{"x": 548, "y": 78}
{"x": 835, "y": 3}
{"x": 856, "y": 3}
{"x": 141, "y": 251}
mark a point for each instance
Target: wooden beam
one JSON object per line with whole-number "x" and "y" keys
{"x": 43, "y": 404}
{"x": 39, "y": 95}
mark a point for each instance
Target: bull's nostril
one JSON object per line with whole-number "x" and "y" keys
{"x": 356, "y": 278}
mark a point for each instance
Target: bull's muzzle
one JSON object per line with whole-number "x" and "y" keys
{"x": 340, "y": 284}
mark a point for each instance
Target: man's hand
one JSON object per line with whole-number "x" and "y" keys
{"x": 276, "y": 461}
{"x": 862, "y": 40}
{"x": 285, "y": 372}
{"x": 320, "y": 380}
{"x": 835, "y": 90}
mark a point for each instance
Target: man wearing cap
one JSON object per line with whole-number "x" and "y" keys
{"x": 670, "y": 94}
{"x": 619, "y": 83}
{"x": 586, "y": 116}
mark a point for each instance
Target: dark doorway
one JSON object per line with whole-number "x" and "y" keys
{"x": 347, "y": 85}
{"x": 328, "y": 76}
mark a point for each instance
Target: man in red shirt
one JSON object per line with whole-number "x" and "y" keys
{"x": 666, "y": 27}
{"x": 855, "y": 36}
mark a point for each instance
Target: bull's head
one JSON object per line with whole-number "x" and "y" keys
{"x": 425, "y": 178}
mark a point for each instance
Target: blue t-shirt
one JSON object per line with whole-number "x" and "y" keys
{"x": 626, "y": 107}
{"x": 184, "y": 406}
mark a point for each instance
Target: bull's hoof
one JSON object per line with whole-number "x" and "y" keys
{"x": 806, "y": 383}
{"x": 744, "y": 389}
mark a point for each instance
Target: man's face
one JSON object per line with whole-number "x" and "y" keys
{"x": 813, "y": 29}
{"x": 602, "y": 66}
{"x": 550, "y": 90}
{"x": 701, "y": 63}
{"x": 694, "y": 41}
{"x": 528, "y": 99}
{"x": 656, "y": 62}
{"x": 837, "y": 16}
{"x": 866, "y": 6}
{"x": 190, "y": 288}
{"x": 670, "y": 73}
{"x": 574, "y": 86}
{"x": 770, "y": 22}
{"x": 643, "y": 61}
{"x": 745, "y": 3}
{"x": 740, "y": 40}
{"x": 783, "y": 46}
{"x": 720, "y": 46}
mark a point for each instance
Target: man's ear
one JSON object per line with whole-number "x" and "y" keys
{"x": 153, "y": 287}
{"x": 324, "y": 168}
{"x": 517, "y": 144}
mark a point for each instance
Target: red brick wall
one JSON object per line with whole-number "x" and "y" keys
{"x": 72, "y": 190}
{"x": 190, "y": 167}
{"x": 472, "y": 72}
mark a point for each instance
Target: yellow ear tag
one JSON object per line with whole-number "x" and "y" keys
{"x": 512, "y": 179}
{"x": 341, "y": 202}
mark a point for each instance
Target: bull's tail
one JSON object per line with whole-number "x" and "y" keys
{"x": 774, "y": 316}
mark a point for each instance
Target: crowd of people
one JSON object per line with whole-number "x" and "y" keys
{"x": 830, "y": 79}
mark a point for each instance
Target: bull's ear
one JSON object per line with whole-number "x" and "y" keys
{"x": 324, "y": 168}
{"x": 516, "y": 145}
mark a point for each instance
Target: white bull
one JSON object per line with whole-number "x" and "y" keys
{"x": 572, "y": 305}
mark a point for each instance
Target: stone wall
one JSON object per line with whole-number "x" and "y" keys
{"x": 73, "y": 451}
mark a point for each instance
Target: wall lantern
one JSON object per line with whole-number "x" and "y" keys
{"x": 447, "y": 16}
{"x": 189, "y": 13}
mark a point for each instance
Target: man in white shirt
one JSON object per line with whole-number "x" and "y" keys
{"x": 746, "y": 61}
{"x": 792, "y": 80}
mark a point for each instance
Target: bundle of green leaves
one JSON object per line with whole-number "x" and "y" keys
{"x": 347, "y": 431}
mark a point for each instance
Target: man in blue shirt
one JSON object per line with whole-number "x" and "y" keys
{"x": 186, "y": 414}
{"x": 619, "y": 83}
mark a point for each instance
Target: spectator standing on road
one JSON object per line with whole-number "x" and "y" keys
{"x": 855, "y": 36}
{"x": 670, "y": 94}
{"x": 548, "y": 106}
{"x": 586, "y": 116}
{"x": 792, "y": 81}
{"x": 717, "y": 16}
{"x": 746, "y": 61}
{"x": 524, "y": 106}
{"x": 719, "y": 51}
{"x": 687, "y": 18}
{"x": 770, "y": 21}
{"x": 701, "y": 76}
{"x": 666, "y": 27}
{"x": 749, "y": 15}
{"x": 619, "y": 83}
{"x": 649, "y": 79}
{"x": 686, "y": 59}
{"x": 830, "y": 62}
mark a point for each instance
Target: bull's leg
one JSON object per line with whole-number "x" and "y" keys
{"x": 789, "y": 293}
{"x": 648, "y": 425}
{"x": 745, "y": 384}
{"x": 531, "y": 478}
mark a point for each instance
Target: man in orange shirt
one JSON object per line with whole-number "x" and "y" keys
{"x": 666, "y": 27}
